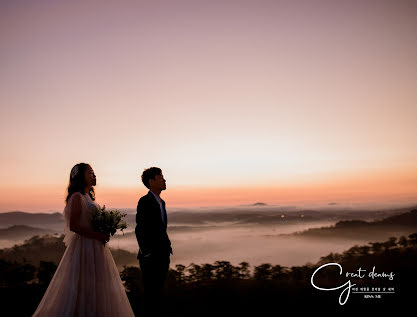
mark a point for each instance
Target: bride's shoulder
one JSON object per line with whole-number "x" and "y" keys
{"x": 77, "y": 196}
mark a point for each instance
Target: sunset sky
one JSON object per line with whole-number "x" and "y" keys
{"x": 237, "y": 101}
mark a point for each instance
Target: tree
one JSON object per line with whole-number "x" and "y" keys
{"x": 244, "y": 272}
{"x": 180, "y": 273}
{"x": 278, "y": 271}
{"x": 225, "y": 271}
{"x": 207, "y": 272}
{"x": 263, "y": 271}
{"x": 376, "y": 246}
{"x": 45, "y": 272}
{"x": 364, "y": 250}
{"x": 332, "y": 257}
{"x": 390, "y": 243}
{"x": 15, "y": 274}
{"x": 194, "y": 272}
{"x": 131, "y": 276}
{"x": 352, "y": 252}
{"x": 413, "y": 238}
{"x": 402, "y": 241}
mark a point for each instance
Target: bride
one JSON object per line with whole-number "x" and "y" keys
{"x": 86, "y": 282}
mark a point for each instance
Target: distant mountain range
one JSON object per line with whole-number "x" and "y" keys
{"x": 268, "y": 215}
{"x": 30, "y": 219}
{"x": 401, "y": 224}
{"x": 259, "y": 204}
{"x": 258, "y": 213}
{"x": 22, "y": 232}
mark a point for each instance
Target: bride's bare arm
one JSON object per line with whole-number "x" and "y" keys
{"x": 75, "y": 221}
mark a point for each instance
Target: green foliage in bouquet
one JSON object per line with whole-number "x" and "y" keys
{"x": 108, "y": 221}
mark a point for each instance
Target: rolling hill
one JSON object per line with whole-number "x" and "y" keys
{"x": 402, "y": 224}
{"x": 18, "y": 232}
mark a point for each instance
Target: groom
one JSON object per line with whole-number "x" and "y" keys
{"x": 153, "y": 240}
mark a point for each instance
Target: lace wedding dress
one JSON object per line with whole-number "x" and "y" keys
{"x": 86, "y": 282}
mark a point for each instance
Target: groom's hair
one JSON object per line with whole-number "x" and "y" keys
{"x": 150, "y": 173}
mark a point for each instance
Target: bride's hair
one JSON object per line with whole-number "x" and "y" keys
{"x": 77, "y": 181}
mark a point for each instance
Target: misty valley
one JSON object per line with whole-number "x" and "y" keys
{"x": 256, "y": 233}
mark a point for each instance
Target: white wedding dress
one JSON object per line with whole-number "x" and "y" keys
{"x": 86, "y": 282}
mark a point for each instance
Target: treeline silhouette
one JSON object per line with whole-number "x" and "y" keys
{"x": 50, "y": 248}
{"x": 223, "y": 289}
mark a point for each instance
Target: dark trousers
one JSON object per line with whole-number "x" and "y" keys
{"x": 154, "y": 271}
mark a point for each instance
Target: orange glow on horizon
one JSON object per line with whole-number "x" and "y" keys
{"x": 370, "y": 187}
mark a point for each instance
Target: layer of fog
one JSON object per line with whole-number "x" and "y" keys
{"x": 255, "y": 244}
{"x": 243, "y": 233}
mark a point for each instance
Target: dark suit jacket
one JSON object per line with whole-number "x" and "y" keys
{"x": 150, "y": 230}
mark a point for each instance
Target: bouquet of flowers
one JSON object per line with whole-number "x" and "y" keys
{"x": 108, "y": 222}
